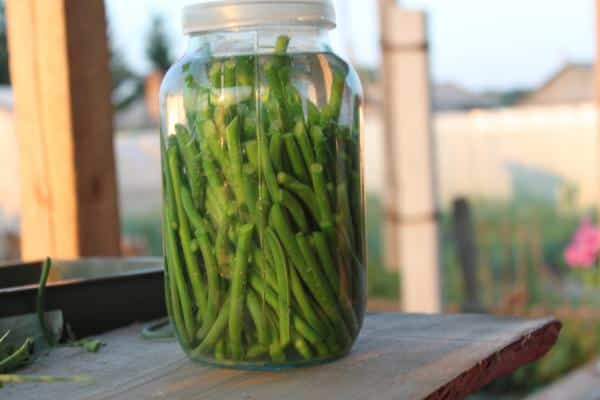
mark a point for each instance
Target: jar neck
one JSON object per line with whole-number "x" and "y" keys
{"x": 259, "y": 40}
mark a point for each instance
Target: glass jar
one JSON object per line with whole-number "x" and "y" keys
{"x": 264, "y": 213}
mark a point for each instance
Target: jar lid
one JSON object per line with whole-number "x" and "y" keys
{"x": 210, "y": 15}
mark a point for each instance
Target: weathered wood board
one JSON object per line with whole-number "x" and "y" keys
{"x": 398, "y": 356}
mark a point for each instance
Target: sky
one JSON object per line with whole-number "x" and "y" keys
{"x": 479, "y": 44}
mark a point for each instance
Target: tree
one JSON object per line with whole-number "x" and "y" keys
{"x": 158, "y": 48}
{"x": 4, "y": 73}
{"x": 127, "y": 86}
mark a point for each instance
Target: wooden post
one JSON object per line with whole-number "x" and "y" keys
{"x": 59, "y": 67}
{"x": 411, "y": 206}
{"x": 466, "y": 251}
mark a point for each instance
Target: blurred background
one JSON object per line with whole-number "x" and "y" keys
{"x": 514, "y": 166}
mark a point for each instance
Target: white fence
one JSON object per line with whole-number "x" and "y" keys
{"x": 506, "y": 152}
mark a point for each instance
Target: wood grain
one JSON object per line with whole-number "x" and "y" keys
{"x": 59, "y": 66}
{"x": 411, "y": 230}
{"x": 398, "y": 356}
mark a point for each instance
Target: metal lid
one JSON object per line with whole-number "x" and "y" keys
{"x": 211, "y": 15}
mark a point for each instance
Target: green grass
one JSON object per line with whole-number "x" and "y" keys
{"x": 381, "y": 282}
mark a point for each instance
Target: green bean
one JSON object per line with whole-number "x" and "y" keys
{"x": 266, "y": 272}
{"x": 169, "y": 196}
{"x": 215, "y": 75}
{"x": 302, "y": 347}
{"x": 18, "y": 357}
{"x": 281, "y": 44}
{"x": 235, "y": 160}
{"x": 304, "y": 143}
{"x": 270, "y": 296}
{"x": 295, "y": 210}
{"x": 320, "y": 242}
{"x": 223, "y": 249}
{"x": 215, "y": 333}
{"x": 321, "y": 153}
{"x": 283, "y": 284}
{"x": 314, "y": 115}
{"x": 214, "y": 208}
{"x": 272, "y": 77}
{"x": 251, "y": 147}
{"x": 274, "y": 114}
{"x": 249, "y": 125}
{"x": 256, "y": 351}
{"x": 267, "y": 170}
{"x": 229, "y": 74}
{"x": 245, "y": 71}
{"x": 189, "y": 154}
{"x": 278, "y": 221}
{"x": 294, "y": 101}
{"x": 179, "y": 289}
{"x": 276, "y": 349}
{"x": 295, "y": 157}
{"x": 276, "y": 151}
{"x": 331, "y": 111}
{"x": 220, "y": 350}
{"x": 258, "y": 317}
{"x": 315, "y": 280}
{"x": 191, "y": 263}
{"x": 306, "y": 331}
{"x": 337, "y": 93}
{"x": 250, "y": 188}
{"x": 210, "y": 264}
{"x": 210, "y": 136}
{"x": 304, "y": 192}
{"x": 322, "y": 198}
{"x": 238, "y": 288}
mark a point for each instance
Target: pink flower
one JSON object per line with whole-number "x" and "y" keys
{"x": 583, "y": 250}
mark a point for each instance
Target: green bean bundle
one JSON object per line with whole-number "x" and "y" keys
{"x": 263, "y": 209}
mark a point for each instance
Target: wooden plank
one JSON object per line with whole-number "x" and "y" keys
{"x": 59, "y": 66}
{"x": 410, "y": 197}
{"x": 124, "y": 286}
{"x": 582, "y": 384}
{"x": 398, "y": 356}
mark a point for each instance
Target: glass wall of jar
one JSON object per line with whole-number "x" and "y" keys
{"x": 263, "y": 191}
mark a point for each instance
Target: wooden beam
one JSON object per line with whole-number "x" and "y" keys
{"x": 410, "y": 226}
{"x": 59, "y": 67}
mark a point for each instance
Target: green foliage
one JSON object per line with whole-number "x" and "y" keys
{"x": 521, "y": 271}
{"x": 4, "y": 72}
{"x": 381, "y": 282}
{"x": 519, "y": 244}
{"x": 127, "y": 86}
{"x": 158, "y": 47}
{"x": 148, "y": 228}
